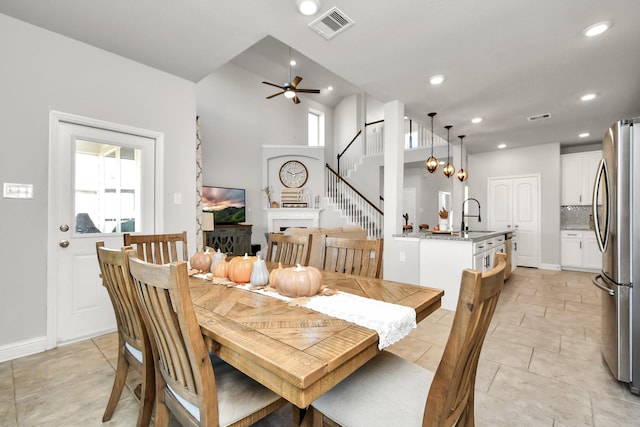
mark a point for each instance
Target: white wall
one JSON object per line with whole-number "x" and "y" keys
{"x": 42, "y": 71}
{"x": 541, "y": 159}
{"x": 236, "y": 121}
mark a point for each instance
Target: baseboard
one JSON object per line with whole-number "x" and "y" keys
{"x": 22, "y": 348}
{"x": 554, "y": 267}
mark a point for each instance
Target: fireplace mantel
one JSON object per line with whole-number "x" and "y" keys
{"x": 292, "y": 217}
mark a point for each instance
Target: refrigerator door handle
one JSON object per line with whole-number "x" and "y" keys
{"x": 602, "y": 238}
{"x": 603, "y": 287}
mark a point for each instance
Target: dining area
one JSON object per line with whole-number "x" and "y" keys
{"x": 196, "y": 349}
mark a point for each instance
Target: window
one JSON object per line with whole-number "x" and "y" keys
{"x": 107, "y": 188}
{"x": 316, "y": 128}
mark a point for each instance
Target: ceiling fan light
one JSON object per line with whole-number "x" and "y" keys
{"x": 289, "y": 93}
{"x": 308, "y": 7}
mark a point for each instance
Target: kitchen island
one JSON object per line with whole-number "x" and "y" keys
{"x": 443, "y": 256}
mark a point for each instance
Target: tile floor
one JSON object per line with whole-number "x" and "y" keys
{"x": 540, "y": 366}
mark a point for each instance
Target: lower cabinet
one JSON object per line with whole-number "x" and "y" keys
{"x": 579, "y": 250}
{"x": 230, "y": 239}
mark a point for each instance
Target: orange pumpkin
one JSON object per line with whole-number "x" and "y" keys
{"x": 201, "y": 261}
{"x": 299, "y": 281}
{"x": 240, "y": 268}
{"x": 220, "y": 269}
{"x": 274, "y": 273}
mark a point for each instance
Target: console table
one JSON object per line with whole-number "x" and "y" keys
{"x": 230, "y": 239}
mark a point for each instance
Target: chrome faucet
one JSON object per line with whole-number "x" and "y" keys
{"x": 462, "y": 229}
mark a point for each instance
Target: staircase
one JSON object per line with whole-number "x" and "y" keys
{"x": 353, "y": 206}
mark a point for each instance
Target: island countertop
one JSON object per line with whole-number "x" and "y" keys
{"x": 468, "y": 236}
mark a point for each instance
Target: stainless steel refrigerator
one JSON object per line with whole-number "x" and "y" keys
{"x": 616, "y": 210}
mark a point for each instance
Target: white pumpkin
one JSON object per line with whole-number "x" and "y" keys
{"x": 259, "y": 273}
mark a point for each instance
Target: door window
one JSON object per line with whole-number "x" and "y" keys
{"x": 107, "y": 188}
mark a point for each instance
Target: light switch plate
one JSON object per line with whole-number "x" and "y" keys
{"x": 18, "y": 191}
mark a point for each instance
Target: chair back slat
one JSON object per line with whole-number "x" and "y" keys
{"x": 454, "y": 381}
{"x": 115, "y": 278}
{"x": 361, "y": 257}
{"x": 289, "y": 249}
{"x": 183, "y": 359}
{"x": 159, "y": 248}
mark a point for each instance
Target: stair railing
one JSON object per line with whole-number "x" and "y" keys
{"x": 353, "y": 204}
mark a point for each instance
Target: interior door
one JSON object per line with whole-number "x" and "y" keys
{"x": 514, "y": 205}
{"x": 103, "y": 186}
{"x": 525, "y": 219}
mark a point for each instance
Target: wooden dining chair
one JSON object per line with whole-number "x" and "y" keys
{"x": 134, "y": 347}
{"x": 390, "y": 390}
{"x": 197, "y": 390}
{"x": 362, "y": 257}
{"x": 159, "y": 248}
{"x": 289, "y": 249}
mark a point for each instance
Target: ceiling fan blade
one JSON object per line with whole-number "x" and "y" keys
{"x": 274, "y": 85}
{"x": 295, "y": 100}
{"x": 296, "y": 81}
{"x": 275, "y": 94}
{"x": 308, "y": 90}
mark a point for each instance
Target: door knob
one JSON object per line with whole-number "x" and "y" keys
{"x": 64, "y": 243}
{"x": 64, "y": 227}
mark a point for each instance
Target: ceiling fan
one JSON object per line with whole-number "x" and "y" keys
{"x": 290, "y": 89}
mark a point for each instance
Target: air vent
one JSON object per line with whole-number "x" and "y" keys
{"x": 539, "y": 117}
{"x": 331, "y": 23}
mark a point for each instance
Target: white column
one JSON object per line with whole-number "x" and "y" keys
{"x": 393, "y": 175}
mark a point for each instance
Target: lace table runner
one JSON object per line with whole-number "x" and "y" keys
{"x": 392, "y": 322}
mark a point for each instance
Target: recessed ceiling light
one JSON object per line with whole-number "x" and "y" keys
{"x": 501, "y": 146}
{"x": 308, "y": 7}
{"x": 436, "y": 80}
{"x": 330, "y": 88}
{"x": 588, "y": 97}
{"x": 293, "y": 62}
{"x": 584, "y": 134}
{"x": 596, "y": 29}
{"x": 476, "y": 120}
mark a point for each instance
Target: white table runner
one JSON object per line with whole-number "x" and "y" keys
{"x": 392, "y": 322}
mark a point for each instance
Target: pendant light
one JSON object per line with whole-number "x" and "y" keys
{"x": 449, "y": 169}
{"x": 432, "y": 163}
{"x": 462, "y": 174}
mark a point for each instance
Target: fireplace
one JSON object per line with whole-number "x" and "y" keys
{"x": 292, "y": 217}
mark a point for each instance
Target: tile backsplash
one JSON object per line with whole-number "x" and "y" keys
{"x": 574, "y": 217}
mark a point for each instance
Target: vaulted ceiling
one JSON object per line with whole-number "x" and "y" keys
{"x": 504, "y": 60}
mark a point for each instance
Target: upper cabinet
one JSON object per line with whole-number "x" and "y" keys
{"x": 578, "y": 175}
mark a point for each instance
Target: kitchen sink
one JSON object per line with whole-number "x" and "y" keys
{"x": 480, "y": 231}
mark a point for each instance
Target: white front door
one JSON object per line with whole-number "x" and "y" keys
{"x": 102, "y": 185}
{"x": 514, "y": 204}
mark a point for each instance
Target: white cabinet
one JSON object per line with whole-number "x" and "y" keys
{"x": 579, "y": 250}
{"x": 591, "y": 255}
{"x": 578, "y": 175}
{"x": 484, "y": 253}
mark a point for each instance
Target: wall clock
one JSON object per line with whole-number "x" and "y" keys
{"x": 293, "y": 174}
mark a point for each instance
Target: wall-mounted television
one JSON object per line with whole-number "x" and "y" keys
{"x": 227, "y": 204}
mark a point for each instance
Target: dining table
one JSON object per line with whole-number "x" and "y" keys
{"x": 297, "y": 352}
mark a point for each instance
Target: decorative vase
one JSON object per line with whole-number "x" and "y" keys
{"x": 443, "y": 223}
